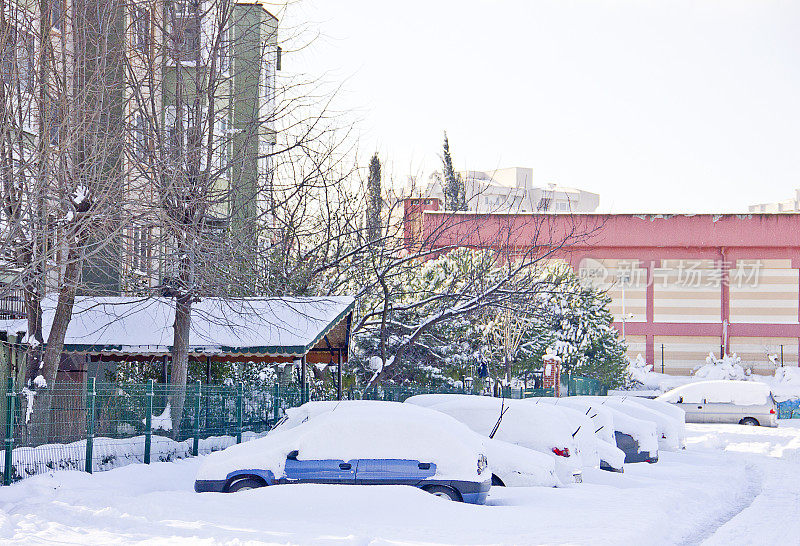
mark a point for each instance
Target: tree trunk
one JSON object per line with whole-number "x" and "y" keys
{"x": 40, "y": 422}
{"x": 180, "y": 360}
{"x": 33, "y": 311}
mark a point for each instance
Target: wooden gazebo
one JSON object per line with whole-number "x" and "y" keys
{"x": 313, "y": 330}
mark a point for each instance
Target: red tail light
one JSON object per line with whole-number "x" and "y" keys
{"x": 561, "y": 452}
{"x": 772, "y": 411}
{"x": 664, "y": 436}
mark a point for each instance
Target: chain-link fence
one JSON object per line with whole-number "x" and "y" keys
{"x": 98, "y": 426}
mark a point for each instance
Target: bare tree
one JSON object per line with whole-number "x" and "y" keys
{"x": 60, "y": 149}
{"x": 413, "y": 321}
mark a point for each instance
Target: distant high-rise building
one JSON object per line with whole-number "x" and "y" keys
{"x": 512, "y": 190}
{"x": 788, "y": 205}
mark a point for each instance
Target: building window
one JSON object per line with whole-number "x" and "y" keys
{"x": 183, "y": 29}
{"x": 141, "y": 29}
{"x": 224, "y": 51}
{"x": 141, "y": 250}
{"x": 544, "y": 204}
{"x": 57, "y": 14}
{"x": 268, "y": 86}
{"x": 16, "y": 58}
{"x": 223, "y": 143}
{"x": 55, "y": 126}
{"x": 176, "y": 133}
{"x": 140, "y": 137}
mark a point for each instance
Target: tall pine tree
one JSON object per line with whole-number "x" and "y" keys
{"x": 453, "y": 185}
{"x": 374, "y": 200}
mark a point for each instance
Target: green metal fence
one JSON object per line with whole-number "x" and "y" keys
{"x": 577, "y": 386}
{"x": 99, "y": 426}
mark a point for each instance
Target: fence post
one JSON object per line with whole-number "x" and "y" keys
{"x": 90, "y": 396}
{"x": 148, "y": 421}
{"x": 9, "y": 444}
{"x": 196, "y": 442}
{"x": 239, "y": 397}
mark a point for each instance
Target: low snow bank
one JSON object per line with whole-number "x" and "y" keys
{"x": 681, "y": 499}
{"x": 108, "y": 453}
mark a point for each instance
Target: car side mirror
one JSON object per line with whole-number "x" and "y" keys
{"x": 292, "y": 455}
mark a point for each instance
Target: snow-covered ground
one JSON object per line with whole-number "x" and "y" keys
{"x": 732, "y": 485}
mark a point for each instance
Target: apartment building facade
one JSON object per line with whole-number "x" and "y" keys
{"x": 217, "y": 81}
{"x": 152, "y": 76}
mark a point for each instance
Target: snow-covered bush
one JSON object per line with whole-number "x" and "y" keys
{"x": 727, "y": 367}
{"x": 638, "y": 373}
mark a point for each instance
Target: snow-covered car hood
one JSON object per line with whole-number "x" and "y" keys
{"x": 519, "y": 466}
{"x": 368, "y": 430}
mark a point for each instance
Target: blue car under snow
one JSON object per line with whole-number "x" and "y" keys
{"x": 323, "y": 442}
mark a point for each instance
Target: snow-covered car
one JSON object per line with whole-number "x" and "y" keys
{"x": 599, "y": 420}
{"x": 366, "y": 443}
{"x": 511, "y": 465}
{"x": 670, "y": 432}
{"x": 637, "y": 438}
{"x": 540, "y": 428}
{"x": 735, "y": 402}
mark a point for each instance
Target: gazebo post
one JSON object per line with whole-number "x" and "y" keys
{"x": 339, "y": 377}
{"x": 303, "y": 380}
{"x": 164, "y": 374}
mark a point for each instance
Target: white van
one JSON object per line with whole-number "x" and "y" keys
{"x": 742, "y": 402}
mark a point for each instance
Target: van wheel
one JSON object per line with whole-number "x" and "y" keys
{"x": 245, "y": 485}
{"x": 497, "y": 482}
{"x": 749, "y": 421}
{"x": 444, "y": 492}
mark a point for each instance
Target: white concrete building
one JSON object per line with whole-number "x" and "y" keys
{"x": 511, "y": 190}
{"x": 788, "y": 205}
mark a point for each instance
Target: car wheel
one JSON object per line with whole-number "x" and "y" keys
{"x": 749, "y": 421}
{"x": 497, "y": 481}
{"x": 245, "y": 485}
{"x": 444, "y": 492}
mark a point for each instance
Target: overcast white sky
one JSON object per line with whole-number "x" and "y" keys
{"x": 656, "y": 105}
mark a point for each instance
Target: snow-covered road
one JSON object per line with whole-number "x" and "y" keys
{"x": 733, "y": 485}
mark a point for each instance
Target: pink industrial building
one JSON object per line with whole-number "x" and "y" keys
{"x": 681, "y": 285}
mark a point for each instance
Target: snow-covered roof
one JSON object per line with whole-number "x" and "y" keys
{"x": 288, "y": 326}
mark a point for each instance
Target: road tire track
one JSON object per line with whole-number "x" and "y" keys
{"x": 755, "y": 482}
